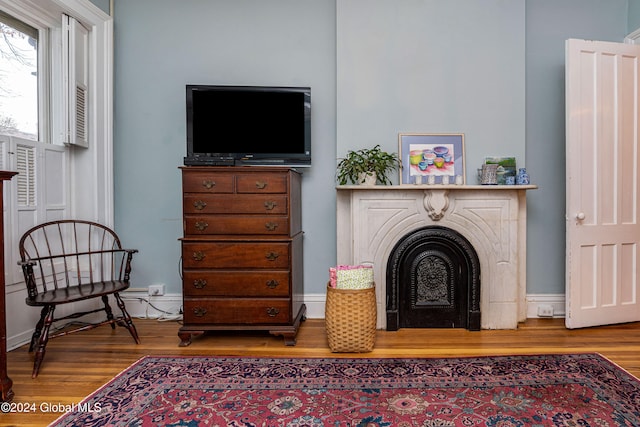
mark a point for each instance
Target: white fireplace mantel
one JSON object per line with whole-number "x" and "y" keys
{"x": 371, "y": 219}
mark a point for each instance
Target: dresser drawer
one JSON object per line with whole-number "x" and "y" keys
{"x": 236, "y": 224}
{"x": 239, "y": 284}
{"x": 236, "y": 311}
{"x": 207, "y": 182}
{"x": 230, "y": 255}
{"x": 275, "y": 204}
{"x": 261, "y": 183}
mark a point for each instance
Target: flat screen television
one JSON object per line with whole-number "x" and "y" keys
{"x": 248, "y": 125}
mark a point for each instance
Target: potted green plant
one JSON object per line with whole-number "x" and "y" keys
{"x": 370, "y": 164}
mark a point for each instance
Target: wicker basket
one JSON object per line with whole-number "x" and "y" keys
{"x": 350, "y": 318}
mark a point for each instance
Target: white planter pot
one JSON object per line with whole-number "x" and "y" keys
{"x": 367, "y": 178}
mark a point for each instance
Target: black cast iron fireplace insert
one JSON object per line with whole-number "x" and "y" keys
{"x": 433, "y": 281}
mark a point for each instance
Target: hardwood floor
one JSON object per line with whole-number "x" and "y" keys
{"x": 76, "y": 365}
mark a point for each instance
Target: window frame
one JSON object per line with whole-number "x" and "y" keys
{"x": 90, "y": 170}
{"x": 71, "y": 181}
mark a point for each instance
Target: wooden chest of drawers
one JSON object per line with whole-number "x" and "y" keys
{"x": 242, "y": 251}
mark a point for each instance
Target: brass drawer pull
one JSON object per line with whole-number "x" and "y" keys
{"x": 201, "y": 225}
{"x": 199, "y": 205}
{"x": 270, "y": 205}
{"x": 199, "y": 283}
{"x": 261, "y": 185}
{"x": 271, "y": 226}
{"x": 272, "y": 256}
{"x": 208, "y": 184}
{"x": 198, "y": 256}
{"x": 199, "y": 311}
{"x": 272, "y": 312}
{"x": 272, "y": 284}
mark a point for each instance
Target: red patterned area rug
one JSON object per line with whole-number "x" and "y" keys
{"x": 543, "y": 390}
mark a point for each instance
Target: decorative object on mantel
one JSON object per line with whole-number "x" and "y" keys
{"x": 432, "y": 155}
{"x": 506, "y": 167}
{"x": 367, "y": 166}
{"x": 523, "y": 177}
{"x": 489, "y": 174}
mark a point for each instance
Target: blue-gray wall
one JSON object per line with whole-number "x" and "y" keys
{"x": 162, "y": 45}
{"x": 633, "y": 22}
{"x": 104, "y": 5}
{"x": 492, "y": 69}
{"x": 548, "y": 24}
{"x": 454, "y": 66}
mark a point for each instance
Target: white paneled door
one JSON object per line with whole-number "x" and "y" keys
{"x": 603, "y": 232}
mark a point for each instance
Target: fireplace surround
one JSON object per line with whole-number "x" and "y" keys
{"x": 371, "y": 220}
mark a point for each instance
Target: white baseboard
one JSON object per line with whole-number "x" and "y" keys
{"x": 169, "y": 307}
{"x": 315, "y": 305}
{"x": 141, "y": 305}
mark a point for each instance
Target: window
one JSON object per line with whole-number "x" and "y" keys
{"x": 18, "y": 78}
{"x": 63, "y": 153}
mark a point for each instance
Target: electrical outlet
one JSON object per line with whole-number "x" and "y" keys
{"x": 545, "y": 310}
{"x": 156, "y": 290}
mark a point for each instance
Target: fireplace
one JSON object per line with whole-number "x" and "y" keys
{"x": 373, "y": 220}
{"x": 433, "y": 280}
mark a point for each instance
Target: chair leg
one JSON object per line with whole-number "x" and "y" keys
{"x": 38, "y": 330}
{"x": 42, "y": 341}
{"x": 107, "y": 309}
{"x": 127, "y": 319}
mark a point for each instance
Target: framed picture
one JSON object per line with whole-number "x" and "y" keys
{"x": 426, "y": 158}
{"x": 506, "y": 167}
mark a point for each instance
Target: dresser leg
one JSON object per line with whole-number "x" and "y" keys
{"x": 290, "y": 339}
{"x": 289, "y": 332}
{"x": 185, "y": 337}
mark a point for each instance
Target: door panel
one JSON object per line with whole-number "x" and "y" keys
{"x": 602, "y": 183}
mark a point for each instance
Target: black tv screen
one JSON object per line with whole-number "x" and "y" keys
{"x": 238, "y": 125}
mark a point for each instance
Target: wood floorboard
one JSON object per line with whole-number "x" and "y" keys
{"x": 77, "y": 365}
